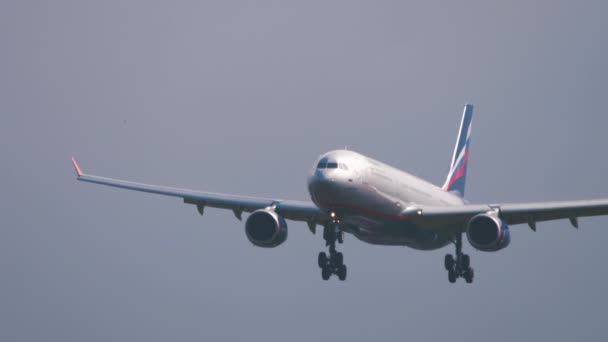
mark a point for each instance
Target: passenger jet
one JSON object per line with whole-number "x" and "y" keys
{"x": 381, "y": 205}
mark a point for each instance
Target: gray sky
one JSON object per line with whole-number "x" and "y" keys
{"x": 241, "y": 97}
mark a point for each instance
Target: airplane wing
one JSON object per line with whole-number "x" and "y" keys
{"x": 293, "y": 210}
{"x": 517, "y": 213}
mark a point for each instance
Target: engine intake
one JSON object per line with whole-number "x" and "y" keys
{"x": 487, "y": 232}
{"x": 266, "y": 228}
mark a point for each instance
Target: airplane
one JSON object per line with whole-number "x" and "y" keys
{"x": 381, "y": 205}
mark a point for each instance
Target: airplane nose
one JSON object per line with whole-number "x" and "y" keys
{"x": 330, "y": 177}
{"x": 318, "y": 179}
{"x": 323, "y": 185}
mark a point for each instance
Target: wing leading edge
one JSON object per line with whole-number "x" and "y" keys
{"x": 518, "y": 213}
{"x": 293, "y": 210}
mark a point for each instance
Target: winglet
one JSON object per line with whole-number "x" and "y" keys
{"x": 76, "y": 167}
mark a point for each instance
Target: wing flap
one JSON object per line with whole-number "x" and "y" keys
{"x": 211, "y": 199}
{"x": 442, "y": 218}
{"x": 546, "y": 211}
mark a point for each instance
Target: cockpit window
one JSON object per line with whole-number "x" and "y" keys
{"x": 325, "y": 163}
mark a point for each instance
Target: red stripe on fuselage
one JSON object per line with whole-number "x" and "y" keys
{"x": 369, "y": 212}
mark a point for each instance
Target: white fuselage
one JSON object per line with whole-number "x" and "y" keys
{"x": 369, "y": 199}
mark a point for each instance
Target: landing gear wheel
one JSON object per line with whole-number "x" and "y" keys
{"x": 459, "y": 264}
{"x": 325, "y": 273}
{"x": 332, "y": 262}
{"x": 322, "y": 259}
{"x": 448, "y": 262}
{"x": 339, "y": 259}
{"x": 341, "y": 272}
{"x": 466, "y": 261}
{"x": 468, "y": 275}
{"x": 452, "y": 276}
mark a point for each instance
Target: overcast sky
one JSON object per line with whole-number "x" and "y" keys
{"x": 241, "y": 97}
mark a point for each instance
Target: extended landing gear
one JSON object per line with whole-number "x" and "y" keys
{"x": 334, "y": 262}
{"x": 460, "y": 265}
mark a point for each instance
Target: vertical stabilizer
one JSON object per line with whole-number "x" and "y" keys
{"x": 455, "y": 182}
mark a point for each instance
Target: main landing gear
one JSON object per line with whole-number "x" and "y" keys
{"x": 334, "y": 263}
{"x": 459, "y": 266}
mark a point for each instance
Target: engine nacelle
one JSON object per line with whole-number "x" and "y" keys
{"x": 487, "y": 232}
{"x": 266, "y": 228}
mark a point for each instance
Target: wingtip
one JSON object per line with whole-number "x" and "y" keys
{"x": 76, "y": 167}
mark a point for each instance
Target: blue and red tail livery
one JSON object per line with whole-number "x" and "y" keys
{"x": 456, "y": 179}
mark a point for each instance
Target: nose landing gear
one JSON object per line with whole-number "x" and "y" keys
{"x": 460, "y": 265}
{"x": 334, "y": 263}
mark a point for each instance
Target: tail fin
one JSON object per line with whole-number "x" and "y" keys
{"x": 456, "y": 179}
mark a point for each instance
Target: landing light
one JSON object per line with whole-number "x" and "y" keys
{"x": 332, "y": 214}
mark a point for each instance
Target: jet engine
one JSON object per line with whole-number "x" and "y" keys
{"x": 487, "y": 232}
{"x": 266, "y": 228}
